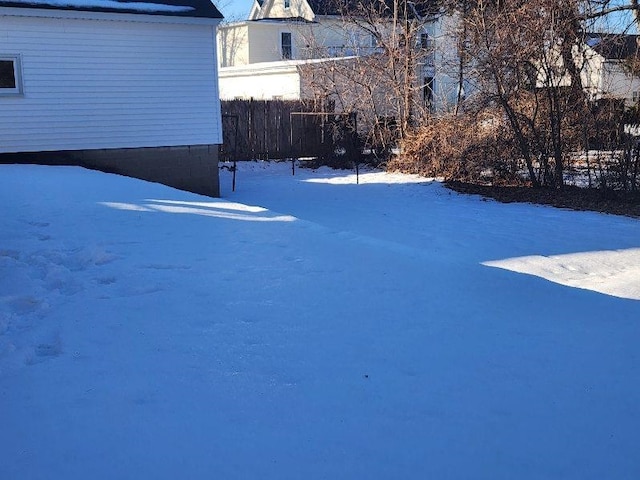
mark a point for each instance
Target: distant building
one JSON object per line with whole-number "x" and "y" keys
{"x": 267, "y": 55}
{"x": 607, "y": 72}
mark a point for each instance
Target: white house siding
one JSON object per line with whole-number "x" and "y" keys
{"x": 250, "y": 42}
{"x": 100, "y": 84}
{"x": 264, "y": 41}
{"x": 332, "y": 37}
{"x": 617, "y": 82}
{"x": 602, "y": 78}
{"x": 446, "y": 64}
{"x": 591, "y": 68}
{"x": 257, "y": 42}
{"x": 276, "y": 10}
{"x": 233, "y": 44}
{"x": 261, "y": 81}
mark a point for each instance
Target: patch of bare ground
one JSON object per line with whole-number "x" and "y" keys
{"x": 575, "y": 198}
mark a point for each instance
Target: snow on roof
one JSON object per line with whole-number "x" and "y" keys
{"x": 110, "y": 4}
{"x": 189, "y": 8}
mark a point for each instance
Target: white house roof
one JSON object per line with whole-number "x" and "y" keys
{"x": 276, "y": 66}
{"x": 181, "y": 8}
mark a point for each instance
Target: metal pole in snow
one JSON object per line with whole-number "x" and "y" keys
{"x": 233, "y": 182}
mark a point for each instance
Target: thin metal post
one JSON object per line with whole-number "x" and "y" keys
{"x": 233, "y": 183}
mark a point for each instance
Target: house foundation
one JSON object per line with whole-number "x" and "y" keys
{"x": 192, "y": 168}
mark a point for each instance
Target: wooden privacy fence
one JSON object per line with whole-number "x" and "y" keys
{"x": 258, "y": 129}
{"x": 331, "y": 138}
{"x": 276, "y": 129}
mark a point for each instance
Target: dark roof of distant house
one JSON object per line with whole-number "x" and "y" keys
{"x": 177, "y": 8}
{"x": 417, "y": 8}
{"x": 612, "y": 46}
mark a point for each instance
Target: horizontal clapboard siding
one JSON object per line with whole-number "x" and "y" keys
{"x": 94, "y": 84}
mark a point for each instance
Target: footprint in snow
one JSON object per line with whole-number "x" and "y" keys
{"x": 14, "y": 254}
{"x": 139, "y": 291}
{"x": 163, "y": 266}
{"x": 105, "y": 280}
{"x": 24, "y": 304}
{"x": 44, "y": 351}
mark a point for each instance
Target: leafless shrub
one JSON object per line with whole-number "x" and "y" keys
{"x": 468, "y": 147}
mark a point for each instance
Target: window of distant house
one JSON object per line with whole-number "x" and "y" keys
{"x": 286, "y": 45}
{"x": 425, "y": 41}
{"x": 10, "y": 75}
{"x": 428, "y": 92}
{"x": 287, "y": 3}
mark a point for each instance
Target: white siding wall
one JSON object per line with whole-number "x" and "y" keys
{"x": 276, "y": 9}
{"x": 264, "y": 41}
{"x": 446, "y": 63}
{"x": 618, "y": 83}
{"x": 591, "y": 72}
{"x": 233, "y": 45}
{"x": 333, "y": 37}
{"x": 256, "y": 42}
{"x": 252, "y": 42}
{"x": 109, "y": 84}
{"x": 261, "y": 82}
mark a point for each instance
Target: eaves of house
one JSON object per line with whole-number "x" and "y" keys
{"x": 172, "y": 8}
{"x": 420, "y": 9}
{"x": 613, "y": 46}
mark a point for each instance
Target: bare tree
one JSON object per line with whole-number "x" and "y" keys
{"x": 520, "y": 68}
{"x": 528, "y": 59}
{"x": 381, "y": 58}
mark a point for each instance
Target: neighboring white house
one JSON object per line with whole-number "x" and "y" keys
{"x": 129, "y": 87}
{"x": 605, "y": 63}
{"x": 263, "y": 57}
{"x": 606, "y": 70}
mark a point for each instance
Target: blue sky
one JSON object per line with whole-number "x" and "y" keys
{"x": 234, "y": 9}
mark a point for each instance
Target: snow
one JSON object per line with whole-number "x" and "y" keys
{"x": 612, "y": 272}
{"x": 110, "y": 4}
{"x": 308, "y": 327}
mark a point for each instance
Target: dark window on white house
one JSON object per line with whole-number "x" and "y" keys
{"x": 426, "y": 44}
{"x": 428, "y": 90}
{"x": 287, "y": 48}
{"x": 287, "y": 3}
{"x": 425, "y": 40}
{"x": 10, "y": 75}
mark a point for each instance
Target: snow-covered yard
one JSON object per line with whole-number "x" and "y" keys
{"x": 309, "y": 328}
